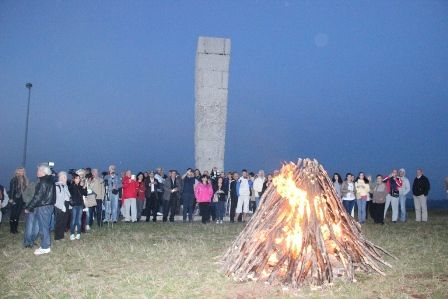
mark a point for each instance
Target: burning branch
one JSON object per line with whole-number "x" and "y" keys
{"x": 301, "y": 234}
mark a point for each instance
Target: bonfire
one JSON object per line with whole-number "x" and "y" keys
{"x": 301, "y": 234}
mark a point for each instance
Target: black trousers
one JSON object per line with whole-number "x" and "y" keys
{"x": 233, "y": 203}
{"x": 169, "y": 206}
{"x": 16, "y": 210}
{"x": 204, "y": 209}
{"x": 152, "y": 206}
{"x": 378, "y": 212}
{"x": 61, "y": 219}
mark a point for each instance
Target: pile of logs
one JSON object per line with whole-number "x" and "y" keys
{"x": 301, "y": 234}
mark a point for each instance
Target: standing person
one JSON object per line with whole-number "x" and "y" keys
{"x": 394, "y": 184}
{"x": 404, "y": 190}
{"x": 113, "y": 184}
{"x": 141, "y": 192}
{"x": 130, "y": 186}
{"x": 372, "y": 184}
{"x": 61, "y": 206}
{"x": 43, "y": 204}
{"x": 90, "y": 201}
{"x": 362, "y": 195}
{"x": 17, "y": 186}
{"x": 243, "y": 187}
{"x": 220, "y": 190}
{"x": 213, "y": 204}
{"x": 188, "y": 183}
{"x": 4, "y": 199}
{"x": 152, "y": 202}
{"x": 420, "y": 190}
{"x": 203, "y": 192}
{"x": 378, "y": 200}
{"x": 160, "y": 177}
{"x": 266, "y": 184}
{"x": 171, "y": 195}
{"x": 77, "y": 191}
{"x": 337, "y": 184}
{"x": 348, "y": 192}
{"x": 446, "y": 187}
{"x": 99, "y": 191}
{"x": 233, "y": 196}
{"x": 31, "y": 225}
{"x": 258, "y": 187}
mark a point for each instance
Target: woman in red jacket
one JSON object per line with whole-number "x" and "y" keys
{"x": 203, "y": 192}
{"x": 130, "y": 186}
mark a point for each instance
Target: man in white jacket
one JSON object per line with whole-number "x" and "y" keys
{"x": 404, "y": 190}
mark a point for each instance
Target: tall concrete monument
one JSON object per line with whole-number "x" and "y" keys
{"x": 211, "y": 81}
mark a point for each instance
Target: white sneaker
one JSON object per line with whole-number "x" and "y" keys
{"x": 220, "y": 221}
{"x": 78, "y": 236}
{"x": 217, "y": 221}
{"x": 40, "y": 251}
{"x": 72, "y": 237}
{"x": 87, "y": 227}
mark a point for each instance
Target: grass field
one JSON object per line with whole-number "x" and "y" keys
{"x": 146, "y": 260}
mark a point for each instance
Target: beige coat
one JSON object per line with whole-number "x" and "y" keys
{"x": 97, "y": 187}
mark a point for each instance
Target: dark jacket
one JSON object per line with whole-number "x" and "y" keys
{"x": 45, "y": 193}
{"x": 233, "y": 191}
{"x": 148, "y": 187}
{"x": 76, "y": 193}
{"x": 221, "y": 196}
{"x": 15, "y": 193}
{"x": 188, "y": 185}
{"x": 420, "y": 186}
{"x": 265, "y": 186}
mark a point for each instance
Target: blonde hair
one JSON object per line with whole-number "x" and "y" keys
{"x": 22, "y": 180}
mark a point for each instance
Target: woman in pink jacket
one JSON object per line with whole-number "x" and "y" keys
{"x": 203, "y": 192}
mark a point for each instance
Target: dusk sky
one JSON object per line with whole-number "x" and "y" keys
{"x": 358, "y": 85}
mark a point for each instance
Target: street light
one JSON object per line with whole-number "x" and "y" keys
{"x": 28, "y": 85}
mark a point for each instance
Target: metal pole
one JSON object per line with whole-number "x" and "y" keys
{"x": 28, "y": 85}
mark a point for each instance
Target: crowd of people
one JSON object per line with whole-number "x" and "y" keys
{"x": 56, "y": 203}
{"x": 374, "y": 196}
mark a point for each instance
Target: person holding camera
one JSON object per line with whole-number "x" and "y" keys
{"x": 130, "y": 186}
{"x": 151, "y": 195}
{"x": 112, "y": 183}
{"x": 393, "y": 183}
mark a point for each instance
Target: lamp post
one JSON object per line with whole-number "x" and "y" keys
{"x": 28, "y": 85}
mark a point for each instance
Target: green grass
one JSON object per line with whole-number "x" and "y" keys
{"x": 147, "y": 260}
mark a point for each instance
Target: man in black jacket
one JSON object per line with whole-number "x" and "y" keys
{"x": 420, "y": 189}
{"x": 43, "y": 204}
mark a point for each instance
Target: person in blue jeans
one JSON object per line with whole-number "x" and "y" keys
{"x": 348, "y": 193}
{"x": 220, "y": 189}
{"x": 42, "y": 204}
{"x": 31, "y": 227}
{"x": 77, "y": 191}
